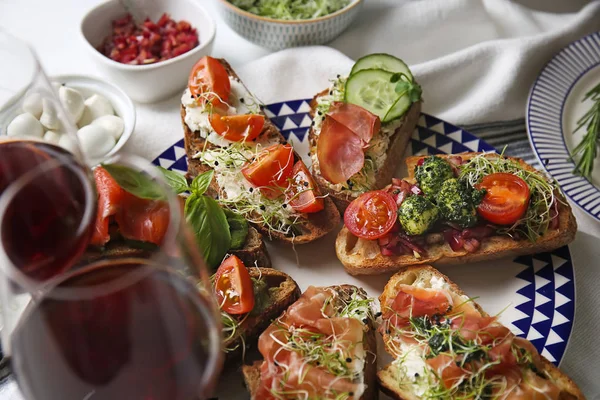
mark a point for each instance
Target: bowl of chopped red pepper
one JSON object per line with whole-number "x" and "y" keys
{"x": 150, "y": 59}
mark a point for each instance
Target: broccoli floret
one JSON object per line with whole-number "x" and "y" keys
{"x": 456, "y": 203}
{"x": 417, "y": 215}
{"x": 432, "y": 173}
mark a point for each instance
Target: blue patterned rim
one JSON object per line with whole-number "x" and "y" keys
{"x": 545, "y": 118}
{"x": 546, "y": 293}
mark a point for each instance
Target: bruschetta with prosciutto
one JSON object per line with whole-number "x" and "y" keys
{"x": 447, "y": 347}
{"x": 361, "y": 126}
{"x": 322, "y": 347}
{"x": 257, "y": 174}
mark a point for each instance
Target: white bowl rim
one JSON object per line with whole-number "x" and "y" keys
{"x": 65, "y": 78}
{"x": 155, "y": 65}
{"x": 238, "y": 10}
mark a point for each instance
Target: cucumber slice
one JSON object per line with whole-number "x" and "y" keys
{"x": 398, "y": 109}
{"x": 372, "y": 90}
{"x": 382, "y": 61}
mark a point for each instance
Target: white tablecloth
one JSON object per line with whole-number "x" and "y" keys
{"x": 52, "y": 27}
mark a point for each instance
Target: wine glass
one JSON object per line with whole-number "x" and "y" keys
{"x": 63, "y": 200}
{"x": 139, "y": 323}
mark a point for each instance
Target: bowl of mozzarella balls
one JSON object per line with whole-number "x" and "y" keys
{"x": 103, "y": 114}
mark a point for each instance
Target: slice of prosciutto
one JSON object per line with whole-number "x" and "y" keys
{"x": 362, "y": 122}
{"x": 339, "y": 151}
{"x": 285, "y": 369}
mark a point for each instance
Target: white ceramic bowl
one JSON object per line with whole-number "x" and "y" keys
{"x": 121, "y": 103}
{"x": 278, "y": 34}
{"x": 152, "y": 82}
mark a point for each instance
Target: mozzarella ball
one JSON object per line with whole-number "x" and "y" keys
{"x": 25, "y": 125}
{"x": 53, "y": 137}
{"x": 72, "y": 101}
{"x": 112, "y": 124}
{"x": 95, "y": 106}
{"x": 49, "y": 116}
{"x": 33, "y": 104}
{"x": 95, "y": 141}
{"x": 67, "y": 143}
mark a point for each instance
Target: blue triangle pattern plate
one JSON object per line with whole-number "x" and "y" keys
{"x": 534, "y": 295}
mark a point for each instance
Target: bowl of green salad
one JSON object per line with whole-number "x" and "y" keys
{"x": 279, "y": 24}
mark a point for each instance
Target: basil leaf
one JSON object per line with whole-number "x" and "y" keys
{"x": 135, "y": 182}
{"x": 202, "y": 182}
{"x": 175, "y": 180}
{"x": 210, "y": 226}
{"x": 238, "y": 226}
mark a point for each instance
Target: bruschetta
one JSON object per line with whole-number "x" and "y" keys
{"x": 447, "y": 347}
{"x": 261, "y": 295}
{"x": 361, "y": 126}
{"x": 257, "y": 173}
{"x": 455, "y": 209}
{"x": 128, "y": 226}
{"x": 323, "y": 346}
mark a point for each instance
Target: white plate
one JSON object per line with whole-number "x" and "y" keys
{"x": 553, "y": 109}
{"x": 536, "y": 294}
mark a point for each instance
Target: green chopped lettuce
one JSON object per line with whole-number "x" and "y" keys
{"x": 291, "y": 9}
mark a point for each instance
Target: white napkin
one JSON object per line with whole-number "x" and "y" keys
{"x": 476, "y": 60}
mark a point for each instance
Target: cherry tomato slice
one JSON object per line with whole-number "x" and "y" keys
{"x": 371, "y": 215}
{"x": 238, "y": 128}
{"x": 506, "y": 200}
{"x": 303, "y": 194}
{"x": 209, "y": 75}
{"x": 271, "y": 169}
{"x": 233, "y": 287}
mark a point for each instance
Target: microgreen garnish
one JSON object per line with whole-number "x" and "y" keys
{"x": 543, "y": 193}
{"x": 587, "y": 149}
{"x": 235, "y": 191}
{"x": 406, "y": 87}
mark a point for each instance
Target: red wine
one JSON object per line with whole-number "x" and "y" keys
{"x": 149, "y": 340}
{"x": 48, "y": 223}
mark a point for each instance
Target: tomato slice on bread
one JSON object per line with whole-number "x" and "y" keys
{"x": 233, "y": 287}
{"x": 303, "y": 194}
{"x": 506, "y": 199}
{"x": 210, "y": 76}
{"x": 371, "y": 215}
{"x": 238, "y": 128}
{"x": 271, "y": 169}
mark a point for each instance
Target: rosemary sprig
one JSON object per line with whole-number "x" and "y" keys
{"x": 587, "y": 149}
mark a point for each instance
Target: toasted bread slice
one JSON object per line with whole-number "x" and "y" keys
{"x": 252, "y": 326}
{"x": 253, "y": 253}
{"x": 388, "y": 376}
{"x": 363, "y": 257}
{"x": 395, "y": 151}
{"x": 312, "y": 227}
{"x": 252, "y": 374}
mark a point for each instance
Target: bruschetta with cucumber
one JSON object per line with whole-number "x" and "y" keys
{"x": 446, "y": 347}
{"x": 361, "y": 126}
{"x": 257, "y": 174}
{"x": 454, "y": 209}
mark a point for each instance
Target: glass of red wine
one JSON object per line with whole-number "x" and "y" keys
{"x": 60, "y": 197}
{"x": 136, "y": 318}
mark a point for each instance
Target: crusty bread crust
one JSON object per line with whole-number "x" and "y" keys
{"x": 253, "y": 325}
{"x": 252, "y": 372}
{"x": 395, "y": 152}
{"x": 253, "y": 253}
{"x": 313, "y": 226}
{"x": 363, "y": 257}
{"x": 387, "y": 376}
